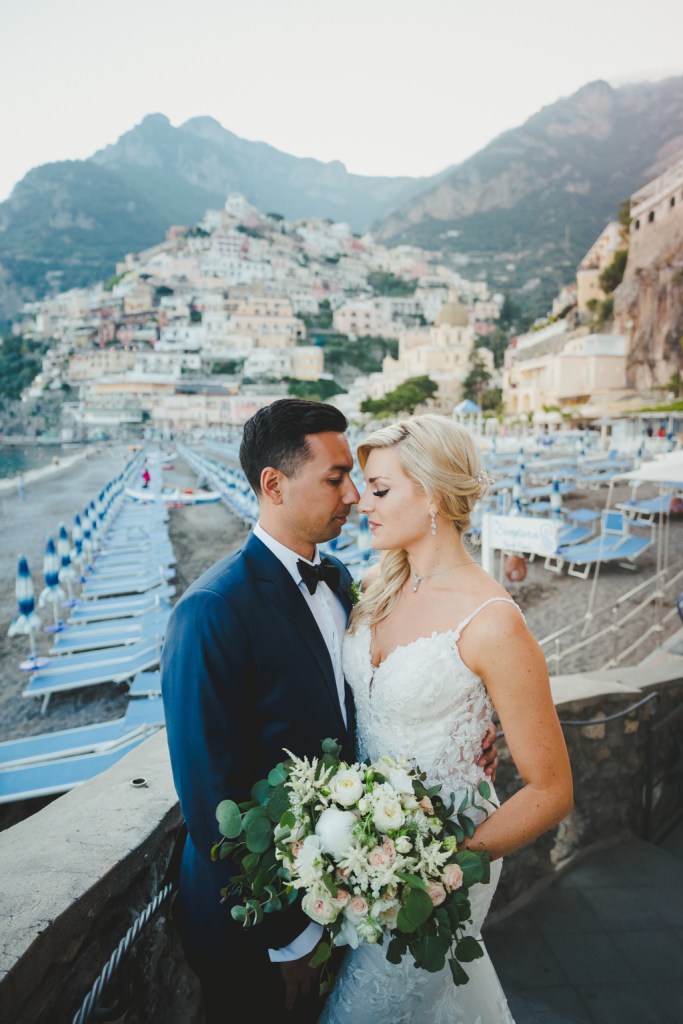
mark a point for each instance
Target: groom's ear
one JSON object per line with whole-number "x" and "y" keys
{"x": 271, "y": 480}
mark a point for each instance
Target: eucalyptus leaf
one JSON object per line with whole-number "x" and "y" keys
{"x": 321, "y": 955}
{"x": 414, "y": 880}
{"x": 460, "y": 976}
{"x": 239, "y": 913}
{"x": 229, "y": 819}
{"x": 259, "y": 835}
{"x": 484, "y": 789}
{"x": 472, "y": 867}
{"x": 278, "y": 804}
{"x": 396, "y": 950}
{"x": 261, "y": 791}
{"x": 430, "y": 951}
{"x": 277, "y": 775}
{"x": 468, "y": 949}
{"x": 416, "y": 907}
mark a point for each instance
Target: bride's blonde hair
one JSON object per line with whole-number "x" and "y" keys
{"x": 440, "y": 456}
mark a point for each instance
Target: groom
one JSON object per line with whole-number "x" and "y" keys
{"x": 251, "y": 664}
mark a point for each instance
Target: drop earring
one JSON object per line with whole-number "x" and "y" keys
{"x": 432, "y": 520}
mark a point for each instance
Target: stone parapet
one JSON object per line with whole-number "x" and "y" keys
{"x": 77, "y": 874}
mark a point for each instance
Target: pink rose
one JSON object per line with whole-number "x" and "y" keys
{"x": 389, "y": 848}
{"x": 342, "y": 897}
{"x": 358, "y": 908}
{"x": 452, "y": 876}
{"x": 426, "y": 805}
{"x": 377, "y": 857}
{"x": 437, "y": 893}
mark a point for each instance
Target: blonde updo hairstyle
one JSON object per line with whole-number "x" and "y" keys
{"x": 440, "y": 457}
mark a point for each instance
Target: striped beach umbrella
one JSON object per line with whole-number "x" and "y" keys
{"x": 52, "y": 592}
{"x": 77, "y": 554}
{"x": 27, "y": 621}
{"x": 67, "y": 573}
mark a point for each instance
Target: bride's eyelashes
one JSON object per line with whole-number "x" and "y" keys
{"x": 380, "y": 494}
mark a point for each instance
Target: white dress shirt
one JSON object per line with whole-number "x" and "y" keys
{"x": 330, "y": 617}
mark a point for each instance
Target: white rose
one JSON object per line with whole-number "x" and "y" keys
{"x": 403, "y": 844}
{"x": 308, "y": 858}
{"x": 387, "y": 814}
{"x": 334, "y": 829}
{"x": 399, "y": 780}
{"x": 346, "y": 788}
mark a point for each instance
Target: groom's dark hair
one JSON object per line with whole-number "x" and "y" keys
{"x": 276, "y": 436}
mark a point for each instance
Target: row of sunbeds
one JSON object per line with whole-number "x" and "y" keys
{"x": 113, "y": 635}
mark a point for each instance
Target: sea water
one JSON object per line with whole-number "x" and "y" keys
{"x": 21, "y": 458}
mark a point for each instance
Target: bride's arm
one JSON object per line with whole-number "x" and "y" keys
{"x": 504, "y": 653}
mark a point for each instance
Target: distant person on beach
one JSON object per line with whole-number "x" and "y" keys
{"x": 21, "y": 487}
{"x": 252, "y": 664}
{"x": 145, "y": 477}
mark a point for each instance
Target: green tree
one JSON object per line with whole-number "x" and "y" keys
{"x": 614, "y": 273}
{"x": 476, "y": 381}
{"x": 316, "y": 390}
{"x": 383, "y": 282}
{"x": 403, "y": 399}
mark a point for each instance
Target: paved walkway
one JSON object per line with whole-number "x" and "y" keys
{"x": 602, "y": 945}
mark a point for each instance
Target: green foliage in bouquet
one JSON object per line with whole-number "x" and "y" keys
{"x": 373, "y": 850}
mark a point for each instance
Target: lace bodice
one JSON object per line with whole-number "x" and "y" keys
{"x": 422, "y": 701}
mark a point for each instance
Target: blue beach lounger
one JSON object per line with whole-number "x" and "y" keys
{"x": 97, "y": 610}
{"x": 94, "y": 636}
{"x": 141, "y": 715}
{"x": 62, "y": 774}
{"x": 135, "y": 658}
{"x": 145, "y": 684}
{"x": 119, "y": 585}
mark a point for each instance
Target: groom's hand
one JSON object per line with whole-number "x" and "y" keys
{"x": 300, "y": 979}
{"x": 489, "y": 753}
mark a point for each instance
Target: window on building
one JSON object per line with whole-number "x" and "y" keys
{"x": 651, "y": 216}
{"x": 637, "y": 225}
{"x": 672, "y": 201}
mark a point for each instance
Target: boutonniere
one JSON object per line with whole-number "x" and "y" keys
{"x": 354, "y": 591}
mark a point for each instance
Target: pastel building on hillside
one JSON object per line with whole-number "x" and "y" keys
{"x": 570, "y": 370}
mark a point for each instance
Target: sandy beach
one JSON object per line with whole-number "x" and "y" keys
{"x": 201, "y": 534}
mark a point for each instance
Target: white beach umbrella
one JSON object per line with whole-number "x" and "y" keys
{"x": 67, "y": 573}
{"x": 52, "y": 593}
{"x": 27, "y": 621}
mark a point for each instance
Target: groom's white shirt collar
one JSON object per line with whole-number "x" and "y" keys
{"x": 288, "y": 557}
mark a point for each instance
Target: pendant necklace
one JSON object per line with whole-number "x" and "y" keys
{"x": 428, "y": 576}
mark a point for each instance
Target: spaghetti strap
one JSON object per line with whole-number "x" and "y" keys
{"x": 490, "y": 600}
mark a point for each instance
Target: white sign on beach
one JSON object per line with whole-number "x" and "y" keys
{"x": 525, "y": 534}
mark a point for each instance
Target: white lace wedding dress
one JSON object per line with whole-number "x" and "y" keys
{"x": 422, "y": 701}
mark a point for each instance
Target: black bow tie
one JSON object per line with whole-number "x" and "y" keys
{"x": 325, "y": 572}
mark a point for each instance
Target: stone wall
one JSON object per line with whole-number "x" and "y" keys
{"x": 78, "y": 873}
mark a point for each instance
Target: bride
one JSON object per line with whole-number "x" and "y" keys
{"x": 434, "y": 646}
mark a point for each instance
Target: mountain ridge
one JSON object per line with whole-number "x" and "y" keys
{"x": 521, "y": 212}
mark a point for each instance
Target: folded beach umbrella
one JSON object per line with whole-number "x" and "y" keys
{"x": 88, "y": 546}
{"x": 67, "y": 573}
{"x": 556, "y": 499}
{"x": 52, "y": 593}
{"x": 77, "y": 553}
{"x": 27, "y": 621}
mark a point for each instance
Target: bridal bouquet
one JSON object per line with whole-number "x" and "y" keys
{"x": 372, "y": 851}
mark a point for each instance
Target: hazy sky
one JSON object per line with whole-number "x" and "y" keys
{"x": 386, "y": 86}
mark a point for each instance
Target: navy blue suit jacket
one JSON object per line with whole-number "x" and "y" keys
{"x": 245, "y": 672}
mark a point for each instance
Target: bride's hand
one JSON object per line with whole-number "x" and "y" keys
{"x": 489, "y": 753}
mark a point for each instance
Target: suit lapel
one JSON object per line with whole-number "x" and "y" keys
{"x": 285, "y": 595}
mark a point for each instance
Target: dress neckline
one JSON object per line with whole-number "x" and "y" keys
{"x": 457, "y": 630}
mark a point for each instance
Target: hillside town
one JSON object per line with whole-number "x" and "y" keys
{"x": 192, "y": 335}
